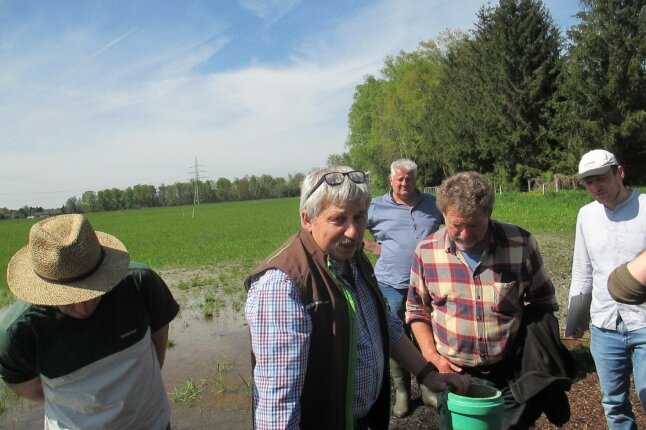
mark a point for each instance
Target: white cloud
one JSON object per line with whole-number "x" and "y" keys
{"x": 268, "y": 9}
{"x": 88, "y": 110}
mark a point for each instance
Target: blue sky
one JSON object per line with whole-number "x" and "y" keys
{"x": 102, "y": 94}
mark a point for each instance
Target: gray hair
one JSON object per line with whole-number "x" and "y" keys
{"x": 466, "y": 192}
{"x": 346, "y": 194}
{"x": 403, "y": 164}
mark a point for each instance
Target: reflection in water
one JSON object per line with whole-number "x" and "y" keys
{"x": 213, "y": 352}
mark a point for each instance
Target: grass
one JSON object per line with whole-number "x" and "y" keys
{"x": 189, "y": 392}
{"x": 221, "y": 369}
{"x": 195, "y": 281}
{"x": 554, "y": 212}
{"x": 246, "y": 382}
{"x": 239, "y": 234}
{"x": 209, "y": 310}
{"x": 209, "y": 296}
{"x": 228, "y": 239}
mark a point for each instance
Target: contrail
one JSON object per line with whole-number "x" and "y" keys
{"x": 105, "y": 48}
{"x": 112, "y": 43}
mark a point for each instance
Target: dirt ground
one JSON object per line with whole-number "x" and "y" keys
{"x": 202, "y": 344}
{"x": 584, "y": 399}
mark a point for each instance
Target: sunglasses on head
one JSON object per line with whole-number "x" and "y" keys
{"x": 336, "y": 178}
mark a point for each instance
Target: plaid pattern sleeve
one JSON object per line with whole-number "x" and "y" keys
{"x": 280, "y": 329}
{"x": 475, "y": 314}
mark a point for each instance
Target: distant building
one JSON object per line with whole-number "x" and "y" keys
{"x": 45, "y": 213}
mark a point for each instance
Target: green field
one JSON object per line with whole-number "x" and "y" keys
{"x": 242, "y": 233}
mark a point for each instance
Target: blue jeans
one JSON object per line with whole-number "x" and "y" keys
{"x": 617, "y": 354}
{"x": 396, "y": 299}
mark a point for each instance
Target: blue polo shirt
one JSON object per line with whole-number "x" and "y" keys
{"x": 398, "y": 229}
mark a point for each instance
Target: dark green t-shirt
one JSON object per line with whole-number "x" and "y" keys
{"x": 41, "y": 340}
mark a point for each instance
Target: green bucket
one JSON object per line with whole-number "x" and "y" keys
{"x": 479, "y": 408}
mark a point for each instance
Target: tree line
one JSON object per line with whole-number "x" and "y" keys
{"x": 184, "y": 193}
{"x": 513, "y": 99}
{"x": 180, "y": 193}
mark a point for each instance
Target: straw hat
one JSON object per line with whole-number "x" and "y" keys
{"x": 66, "y": 262}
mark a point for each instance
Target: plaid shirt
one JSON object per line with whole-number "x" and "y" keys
{"x": 280, "y": 328}
{"x": 475, "y": 314}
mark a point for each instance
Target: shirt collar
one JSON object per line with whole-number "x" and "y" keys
{"x": 418, "y": 196}
{"x": 494, "y": 234}
{"x": 625, "y": 202}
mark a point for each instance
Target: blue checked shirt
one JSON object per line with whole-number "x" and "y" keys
{"x": 280, "y": 328}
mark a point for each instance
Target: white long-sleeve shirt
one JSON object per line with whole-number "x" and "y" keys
{"x": 604, "y": 240}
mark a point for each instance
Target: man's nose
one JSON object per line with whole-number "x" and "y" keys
{"x": 353, "y": 230}
{"x": 86, "y": 307}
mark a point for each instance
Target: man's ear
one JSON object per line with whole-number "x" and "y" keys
{"x": 306, "y": 221}
{"x": 621, "y": 172}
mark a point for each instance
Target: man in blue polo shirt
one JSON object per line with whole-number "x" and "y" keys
{"x": 398, "y": 220}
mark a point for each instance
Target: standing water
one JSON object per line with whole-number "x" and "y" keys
{"x": 206, "y": 371}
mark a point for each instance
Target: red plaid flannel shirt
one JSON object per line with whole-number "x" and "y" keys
{"x": 475, "y": 314}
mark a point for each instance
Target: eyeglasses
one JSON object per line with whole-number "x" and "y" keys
{"x": 336, "y": 178}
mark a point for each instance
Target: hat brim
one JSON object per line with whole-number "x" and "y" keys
{"x": 28, "y": 286}
{"x": 595, "y": 172}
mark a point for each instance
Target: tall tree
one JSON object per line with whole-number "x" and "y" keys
{"x": 293, "y": 185}
{"x": 367, "y": 148}
{"x": 500, "y": 87}
{"x": 343, "y": 159}
{"x": 89, "y": 202}
{"x": 389, "y": 115}
{"x": 603, "y": 91}
{"x": 224, "y": 190}
{"x": 452, "y": 115}
{"x": 72, "y": 206}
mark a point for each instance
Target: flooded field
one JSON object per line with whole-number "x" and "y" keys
{"x": 207, "y": 369}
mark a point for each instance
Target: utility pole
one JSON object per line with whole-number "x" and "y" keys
{"x": 196, "y": 179}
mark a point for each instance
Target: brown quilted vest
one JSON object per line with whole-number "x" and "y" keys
{"x": 324, "y": 394}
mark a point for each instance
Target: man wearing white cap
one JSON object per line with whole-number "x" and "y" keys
{"x": 609, "y": 232}
{"x": 88, "y": 334}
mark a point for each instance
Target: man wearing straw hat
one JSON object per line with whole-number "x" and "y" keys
{"x": 88, "y": 334}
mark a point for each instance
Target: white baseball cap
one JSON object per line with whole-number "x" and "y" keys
{"x": 596, "y": 162}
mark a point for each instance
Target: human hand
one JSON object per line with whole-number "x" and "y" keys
{"x": 444, "y": 365}
{"x": 372, "y": 247}
{"x": 460, "y": 383}
{"x": 577, "y": 333}
{"x": 439, "y": 382}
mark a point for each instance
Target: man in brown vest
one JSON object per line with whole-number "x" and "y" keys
{"x": 321, "y": 332}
